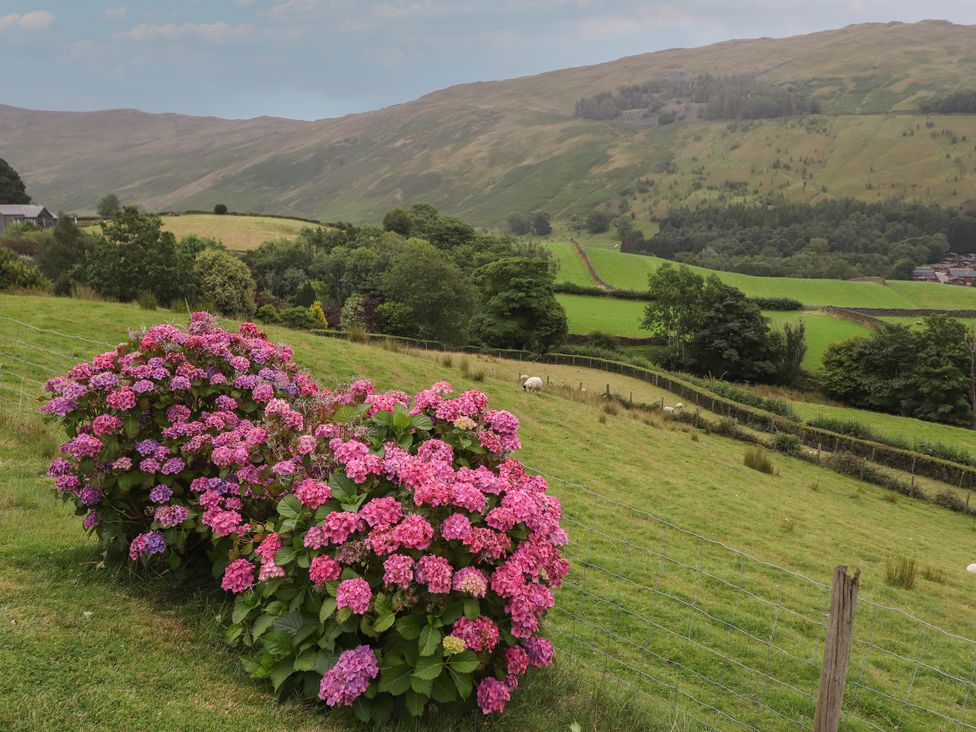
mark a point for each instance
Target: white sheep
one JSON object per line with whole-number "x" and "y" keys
{"x": 531, "y": 383}
{"x": 971, "y": 568}
{"x": 669, "y": 410}
{"x": 679, "y": 405}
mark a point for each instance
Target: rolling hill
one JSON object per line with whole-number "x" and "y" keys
{"x": 484, "y": 150}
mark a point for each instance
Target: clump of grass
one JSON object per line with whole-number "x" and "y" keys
{"x": 815, "y": 486}
{"x": 147, "y": 300}
{"x": 610, "y": 408}
{"x": 694, "y": 437}
{"x": 890, "y": 497}
{"x": 603, "y": 419}
{"x": 789, "y": 525}
{"x": 471, "y": 372}
{"x": 934, "y": 574}
{"x": 392, "y": 344}
{"x": 757, "y": 459}
{"x": 447, "y": 360}
{"x": 356, "y": 333}
{"x": 900, "y": 572}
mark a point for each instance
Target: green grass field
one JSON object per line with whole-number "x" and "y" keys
{"x": 571, "y": 267}
{"x": 905, "y": 428}
{"x": 630, "y": 272}
{"x": 91, "y": 648}
{"x": 623, "y": 317}
{"x": 239, "y": 233}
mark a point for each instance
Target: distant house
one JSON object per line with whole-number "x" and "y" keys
{"x": 926, "y": 274}
{"x": 16, "y": 213}
{"x": 962, "y": 275}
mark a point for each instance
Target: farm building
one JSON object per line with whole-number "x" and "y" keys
{"x": 25, "y": 214}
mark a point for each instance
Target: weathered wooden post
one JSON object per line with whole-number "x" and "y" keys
{"x": 837, "y": 650}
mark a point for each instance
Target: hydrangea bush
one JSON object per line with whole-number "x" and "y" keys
{"x": 385, "y": 550}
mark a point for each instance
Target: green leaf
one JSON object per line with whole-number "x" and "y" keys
{"x": 409, "y": 626}
{"x": 451, "y": 613}
{"x": 463, "y": 683}
{"x": 328, "y": 607}
{"x": 395, "y": 680}
{"x": 415, "y": 703}
{"x": 343, "y": 615}
{"x": 422, "y": 422}
{"x": 361, "y": 709}
{"x": 443, "y": 690}
{"x": 243, "y": 606}
{"x": 132, "y": 425}
{"x": 472, "y": 609}
{"x": 421, "y": 686}
{"x": 383, "y": 622}
{"x": 278, "y": 643}
{"x": 284, "y": 555}
{"x": 464, "y": 662}
{"x": 325, "y": 661}
{"x": 430, "y": 639}
{"x": 262, "y": 624}
{"x": 289, "y": 507}
{"x": 306, "y": 661}
{"x": 280, "y": 673}
{"x": 233, "y": 633}
{"x": 429, "y": 667}
{"x": 291, "y": 622}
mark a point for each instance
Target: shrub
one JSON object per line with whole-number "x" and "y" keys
{"x": 900, "y": 572}
{"x": 356, "y": 333}
{"x": 268, "y": 313}
{"x": 786, "y": 444}
{"x": 147, "y": 300}
{"x": 386, "y": 551}
{"x": 220, "y": 209}
{"x": 317, "y": 314}
{"x": 757, "y": 459}
{"x": 847, "y": 427}
{"x": 777, "y": 406}
{"x": 777, "y": 303}
{"x": 297, "y": 317}
{"x": 948, "y": 498}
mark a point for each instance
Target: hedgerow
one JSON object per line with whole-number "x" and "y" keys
{"x": 385, "y": 550}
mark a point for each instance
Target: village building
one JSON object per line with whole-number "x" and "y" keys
{"x": 16, "y": 213}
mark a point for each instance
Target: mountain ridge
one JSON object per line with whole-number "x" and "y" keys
{"x": 486, "y": 149}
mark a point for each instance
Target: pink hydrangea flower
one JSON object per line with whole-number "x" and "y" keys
{"x": 349, "y": 678}
{"x": 354, "y": 594}
{"x": 493, "y": 695}
{"x": 382, "y": 512}
{"x": 414, "y": 532}
{"x": 324, "y": 569}
{"x": 539, "y": 651}
{"x": 398, "y": 570}
{"x": 313, "y": 493}
{"x": 435, "y": 572}
{"x": 238, "y": 576}
{"x": 480, "y": 634}
{"x": 472, "y": 581}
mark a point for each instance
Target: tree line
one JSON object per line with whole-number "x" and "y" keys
{"x": 838, "y": 239}
{"x": 422, "y": 274}
{"x": 727, "y": 97}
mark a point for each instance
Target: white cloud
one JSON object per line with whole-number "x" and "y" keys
{"x": 31, "y": 22}
{"x": 116, "y": 12}
{"x": 218, "y": 32}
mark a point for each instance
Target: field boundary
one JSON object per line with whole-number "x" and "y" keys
{"x": 601, "y": 283}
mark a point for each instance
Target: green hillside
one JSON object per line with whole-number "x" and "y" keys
{"x": 239, "y": 233}
{"x": 69, "y": 627}
{"x": 486, "y": 150}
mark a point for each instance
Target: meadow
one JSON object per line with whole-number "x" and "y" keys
{"x": 92, "y": 647}
{"x": 238, "y": 233}
{"x": 630, "y": 272}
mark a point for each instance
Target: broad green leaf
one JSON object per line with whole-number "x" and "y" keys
{"x": 409, "y": 626}
{"x": 429, "y": 667}
{"x": 262, "y": 624}
{"x": 233, "y": 633}
{"x": 278, "y": 643}
{"x": 430, "y": 640}
{"x": 383, "y": 622}
{"x": 464, "y": 662}
{"x": 421, "y": 686}
{"x": 291, "y": 622}
{"x": 242, "y": 607}
{"x": 280, "y": 673}
{"x": 395, "y": 679}
{"x": 361, "y": 709}
{"x": 463, "y": 683}
{"x": 289, "y": 507}
{"x": 328, "y": 607}
{"x": 415, "y": 703}
{"x": 422, "y": 422}
{"x": 472, "y": 609}
{"x": 443, "y": 690}
{"x": 452, "y": 612}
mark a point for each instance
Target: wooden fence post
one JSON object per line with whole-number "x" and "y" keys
{"x": 837, "y": 650}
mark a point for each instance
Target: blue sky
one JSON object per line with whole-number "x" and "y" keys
{"x": 310, "y": 59}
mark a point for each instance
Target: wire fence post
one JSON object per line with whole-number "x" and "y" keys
{"x": 837, "y": 650}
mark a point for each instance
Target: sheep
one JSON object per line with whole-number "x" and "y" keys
{"x": 679, "y": 405}
{"x": 669, "y": 410}
{"x": 971, "y": 568}
{"x": 531, "y": 383}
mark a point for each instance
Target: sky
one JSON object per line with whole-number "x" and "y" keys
{"x": 310, "y": 59}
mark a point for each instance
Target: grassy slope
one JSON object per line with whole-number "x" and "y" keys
{"x": 821, "y": 331}
{"x": 905, "y": 428}
{"x": 122, "y": 670}
{"x": 239, "y": 233}
{"x": 571, "y": 267}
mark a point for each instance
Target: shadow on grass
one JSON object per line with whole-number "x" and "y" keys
{"x": 552, "y": 699}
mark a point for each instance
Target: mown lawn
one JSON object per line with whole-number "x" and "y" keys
{"x": 149, "y": 656}
{"x": 239, "y": 233}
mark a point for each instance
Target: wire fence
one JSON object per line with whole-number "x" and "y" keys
{"x": 697, "y": 630}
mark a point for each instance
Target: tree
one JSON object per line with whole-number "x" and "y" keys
{"x": 598, "y": 222}
{"x": 793, "y": 347}
{"x": 135, "y": 255}
{"x": 63, "y": 255}
{"x": 434, "y": 289}
{"x": 12, "y": 189}
{"x": 225, "y": 281}
{"x": 220, "y": 209}
{"x": 108, "y": 206}
{"x": 20, "y": 272}
{"x": 519, "y": 308}
{"x": 398, "y": 221}
{"x": 518, "y": 225}
{"x": 305, "y": 295}
{"x": 675, "y": 309}
{"x": 540, "y": 223}
{"x": 396, "y": 318}
{"x": 733, "y": 340}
